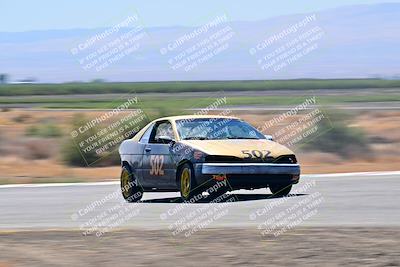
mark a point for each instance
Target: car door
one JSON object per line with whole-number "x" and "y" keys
{"x": 158, "y": 163}
{"x": 143, "y": 142}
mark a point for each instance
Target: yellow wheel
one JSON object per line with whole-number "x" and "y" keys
{"x": 125, "y": 178}
{"x": 129, "y": 188}
{"x": 187, "y": 184}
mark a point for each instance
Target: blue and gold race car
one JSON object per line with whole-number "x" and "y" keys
{"x": 192, "y": 154}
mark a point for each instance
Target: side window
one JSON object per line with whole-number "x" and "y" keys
{"x": 161, "y": 129}
{"x": 146, "y": 136}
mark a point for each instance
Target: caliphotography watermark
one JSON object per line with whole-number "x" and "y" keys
{"x": 107, "y": 213}
{"x": 215, "y": 105}
{"x": 210, "y": 203}
{"x": 110, "y": 46}
{"x": 298, "y": 125}
{"x": 281, "y": 215}
{"x": 184, "y": 220}
{"x": 192, "y": 49}
{"x": 280, "y": 50}
{"x": 99, "y": 136}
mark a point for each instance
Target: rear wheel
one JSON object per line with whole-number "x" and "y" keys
{"x": 280, "y": 189}
{"x": 131, "y": 191}
{"x": 187, "y": 184}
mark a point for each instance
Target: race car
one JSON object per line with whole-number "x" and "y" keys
{"x": 192, "y": 154}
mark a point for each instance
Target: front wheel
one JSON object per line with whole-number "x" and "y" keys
{"x": 280, "y": 190}
{"x": 131, "y": 191}
{"x": 187, "y": 184}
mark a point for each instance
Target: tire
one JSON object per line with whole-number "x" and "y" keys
{"x": 131, "y": 192}
{"x": 280, "y": 190}
{"x": 187, "y": 184}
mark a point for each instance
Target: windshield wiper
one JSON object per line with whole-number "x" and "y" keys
{"x": 242, "y": 137}
{"x": 195, "y": 138}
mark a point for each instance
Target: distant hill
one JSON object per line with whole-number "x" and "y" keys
{"x": 358, "y": 42}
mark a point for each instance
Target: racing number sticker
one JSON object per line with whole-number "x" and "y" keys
{"x": 260, "y": 154}
{"x": 156, "y": 163}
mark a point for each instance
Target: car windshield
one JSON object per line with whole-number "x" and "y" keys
{"x": 216, "y": 129}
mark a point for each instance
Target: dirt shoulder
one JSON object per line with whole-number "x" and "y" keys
{"x": 214, "y": 247}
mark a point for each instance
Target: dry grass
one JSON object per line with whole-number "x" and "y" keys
{"x": 26, "y": 159}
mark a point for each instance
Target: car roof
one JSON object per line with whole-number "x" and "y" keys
{"x": 188, "y": 117}
{"x": 139, "y": 134}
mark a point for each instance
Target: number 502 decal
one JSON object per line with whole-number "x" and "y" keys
{"x": 156, "y": 163}
{"x": 260, "y": 154}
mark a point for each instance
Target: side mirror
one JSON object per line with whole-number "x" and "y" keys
{"x": 269, "y": 137}
{"x": 166, "y": 139}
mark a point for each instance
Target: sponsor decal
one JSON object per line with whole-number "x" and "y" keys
{"x": 220, "y": 177}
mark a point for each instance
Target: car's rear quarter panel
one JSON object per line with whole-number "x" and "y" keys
{"x": 131, "y": 153}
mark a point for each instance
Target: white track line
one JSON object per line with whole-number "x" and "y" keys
{"x": 57, "y": 184}
{"x": 349, "y": 174}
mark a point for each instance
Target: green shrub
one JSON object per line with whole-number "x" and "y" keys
{"x": 22, "y": 118}
{"x": 204, "y": 86}
{"x": 71, "y": 153}
{"x": 74, "y": 156}
{"x": 338, "y": 138}
{"x": 44, "y": 130}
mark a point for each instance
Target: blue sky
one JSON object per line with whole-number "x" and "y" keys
{"x": 25, "y": 15}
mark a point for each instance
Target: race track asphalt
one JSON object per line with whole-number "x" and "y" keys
{"x": 360, "y": 199}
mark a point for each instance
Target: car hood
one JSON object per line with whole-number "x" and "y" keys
{"x": 234, "y": 147}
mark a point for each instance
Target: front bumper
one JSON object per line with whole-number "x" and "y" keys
{"x": 248, "y": 175}
{"x": 250, "y": 168}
